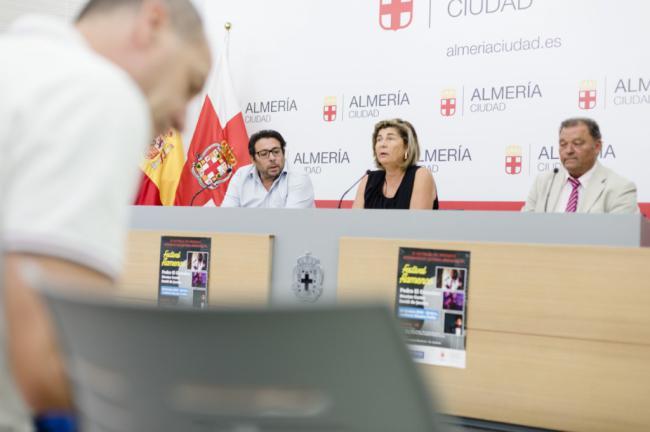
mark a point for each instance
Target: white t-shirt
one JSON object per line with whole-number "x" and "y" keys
{"x": 74, "y": 128}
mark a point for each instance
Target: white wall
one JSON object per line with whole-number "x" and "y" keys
{"x": 11, "y": 9}
{"x": 301, "y": 52}
{"x": 304, "y": 51}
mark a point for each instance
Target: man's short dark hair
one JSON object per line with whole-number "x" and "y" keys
{"x": 268, "y": 133}
{"x": 183, "y": 15}
{"x": 592, "y": 126}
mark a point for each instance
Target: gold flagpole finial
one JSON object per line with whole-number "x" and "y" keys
{"x": 228, "y": 26}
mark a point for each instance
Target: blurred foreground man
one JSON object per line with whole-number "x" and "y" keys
{"x": 79, "y": 105}
{"x": 584, "y": 185}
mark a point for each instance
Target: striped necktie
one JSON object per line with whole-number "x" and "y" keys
{"x": 572, "y": 205}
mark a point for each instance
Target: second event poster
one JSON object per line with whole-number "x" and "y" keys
{"x": 184, "y": 271}
{"x": 431, "y": 304}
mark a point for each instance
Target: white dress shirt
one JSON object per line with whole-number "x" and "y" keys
{"x": 567, "y": 188}
{"x": 289, "y": 190}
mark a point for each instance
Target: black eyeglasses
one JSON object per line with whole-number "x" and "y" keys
{"x": 264, "y": 154}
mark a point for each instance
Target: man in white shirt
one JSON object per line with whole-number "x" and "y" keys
{"x": 266, "y": 183}
{"x": 584, "y": 185}
{"x": 79, "y": 105}
{"x": 452, "y": 280}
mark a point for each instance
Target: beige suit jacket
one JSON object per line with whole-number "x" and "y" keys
{"x": 607, "y": 192}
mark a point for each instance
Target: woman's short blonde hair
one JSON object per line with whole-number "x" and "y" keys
{"x": 407, "y": 133}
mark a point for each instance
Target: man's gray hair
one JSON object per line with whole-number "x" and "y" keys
{"x": 183, "y": 15}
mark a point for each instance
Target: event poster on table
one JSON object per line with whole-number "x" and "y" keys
{"x": 431, "y": 304}
{"x": 184, "y": 271}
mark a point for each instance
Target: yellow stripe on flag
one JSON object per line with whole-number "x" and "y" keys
{"x": 163, "y": 164}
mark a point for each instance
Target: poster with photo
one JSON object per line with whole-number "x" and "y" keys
{"x": 184, "y": 271}
{"x": 431, "y": 304}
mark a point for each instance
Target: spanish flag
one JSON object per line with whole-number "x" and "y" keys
{"x": 161, "y": 168}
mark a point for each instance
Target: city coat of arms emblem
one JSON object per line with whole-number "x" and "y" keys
{"x": 308, "y": 278}
{"x": 215, "y": 165}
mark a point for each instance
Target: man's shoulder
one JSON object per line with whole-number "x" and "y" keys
{"x": 244, "y": 171}
{"x": 240, "y": 176}
{"x": 298, "y": 177}
{"x": 613, "y": 178}
{"x": 37, "y": 42}
{"x": 106, "y": 78}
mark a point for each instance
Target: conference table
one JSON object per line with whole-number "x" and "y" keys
{"x": 558, "y": 330}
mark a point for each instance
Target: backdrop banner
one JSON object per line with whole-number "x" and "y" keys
{"x": 485, "y": 82}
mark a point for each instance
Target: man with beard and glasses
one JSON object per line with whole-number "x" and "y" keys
{"x": 266, "y": 183}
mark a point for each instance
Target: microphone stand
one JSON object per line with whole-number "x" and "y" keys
{"x": 548, "y": 194}
{"x": 350, "y": 188}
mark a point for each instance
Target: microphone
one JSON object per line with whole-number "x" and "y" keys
{"x": 350, "y": 188}
{"x": 548, "y": 194}
{"x": 197, "y": 194}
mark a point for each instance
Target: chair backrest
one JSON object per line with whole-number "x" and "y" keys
{"x": 141, "y": 368}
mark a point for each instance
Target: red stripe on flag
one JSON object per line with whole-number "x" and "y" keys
{"x": 482, "y": 205}
{"x": 237, "y": 136}
{"x": 209, "y": 131}
{"x": 148, "y": 194}
{"x": 645, "y": 209}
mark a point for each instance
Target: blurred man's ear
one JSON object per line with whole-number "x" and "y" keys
{"x": 151, "y": 17}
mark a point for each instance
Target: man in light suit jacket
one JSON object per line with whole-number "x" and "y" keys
{"x": 583, "y": 185}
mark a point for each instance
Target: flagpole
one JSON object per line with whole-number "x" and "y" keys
{"x": 220, "y": 121}
{"x": 226, "y": 44}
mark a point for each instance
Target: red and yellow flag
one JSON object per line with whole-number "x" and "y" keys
{"x": 161, "y": 168}
{"x": 219, "y": 145}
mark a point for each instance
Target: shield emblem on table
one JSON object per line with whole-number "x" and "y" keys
{"x": 308, "y": 278}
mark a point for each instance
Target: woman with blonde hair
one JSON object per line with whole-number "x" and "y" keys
{"x": 398, "y": 183}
